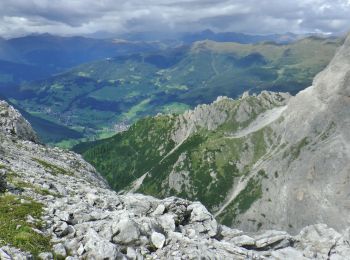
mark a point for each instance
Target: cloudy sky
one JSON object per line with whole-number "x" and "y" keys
{"x": 67, "y": 17}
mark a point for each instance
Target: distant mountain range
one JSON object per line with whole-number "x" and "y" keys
{"x": 191, "y": 37}
{"x": 241, "y": 37}
{"x": 46, "y": 54}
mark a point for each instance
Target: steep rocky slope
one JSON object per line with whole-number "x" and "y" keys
{"x": 57, "y": 206}
{"x": 314, "y": 164}
{"x": 267, "y": 161}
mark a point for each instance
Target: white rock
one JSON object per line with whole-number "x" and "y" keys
{"x": 159, "y": 210}
{"x": 59, "y": 250}
{"x": 99, "y": 248}
{"x": 5, "y": 256}
{"x": 127, "y": 231}
{"x": 270, "y": 237}
{"x": 81, "y": 250}
{"x": 167, "y": 222}
{"x": 131, "y": 253}
{"x": 158, "y": 240}
{"x": 243, "y": 240}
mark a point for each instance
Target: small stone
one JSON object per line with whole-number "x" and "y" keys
{"x": 159, "y": 210}
{"x": 62, "y": 229}
{"x": 81, "y": 250}
{"x": 158, "y": 240}
{"x": 270, "y": 238}
{"x": 59, "y": 250}
{"x": 42, "y": 256}
{"x": 30, "y": 219}
{"x": 38, "y": 231}
{"x": 191, "y": 233}
{"x": 131, "y": 253}
{"x": 243, "y": 240}
{"x": 5, "y": 256}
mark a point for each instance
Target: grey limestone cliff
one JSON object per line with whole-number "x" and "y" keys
{"x": 312, "y": 158}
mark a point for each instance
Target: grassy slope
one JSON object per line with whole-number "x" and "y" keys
{"x": 15, "y": 230}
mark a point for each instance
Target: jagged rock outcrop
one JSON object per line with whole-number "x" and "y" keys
{"x": 212, "y": 116}
{"x": 86, "y": 220}
{"x": 12, "y": 123}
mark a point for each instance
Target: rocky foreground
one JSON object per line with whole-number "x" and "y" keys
{"x": 83, "y": 219}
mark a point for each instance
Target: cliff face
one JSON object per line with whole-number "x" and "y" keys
{"x": 57, "y": 205}
{"x": 313, "y": 167}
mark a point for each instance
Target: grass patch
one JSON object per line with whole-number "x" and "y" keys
{"x": 22, "y": 185}
{"x": 15, "y": 231}
{"x": 54, "y": 169}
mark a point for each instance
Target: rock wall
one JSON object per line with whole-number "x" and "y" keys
{"x": 312, "y": 160}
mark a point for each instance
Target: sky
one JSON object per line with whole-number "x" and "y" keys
{"x": 79, "y": 17}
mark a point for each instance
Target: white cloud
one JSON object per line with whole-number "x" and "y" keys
{"x": 250, "y": 16}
